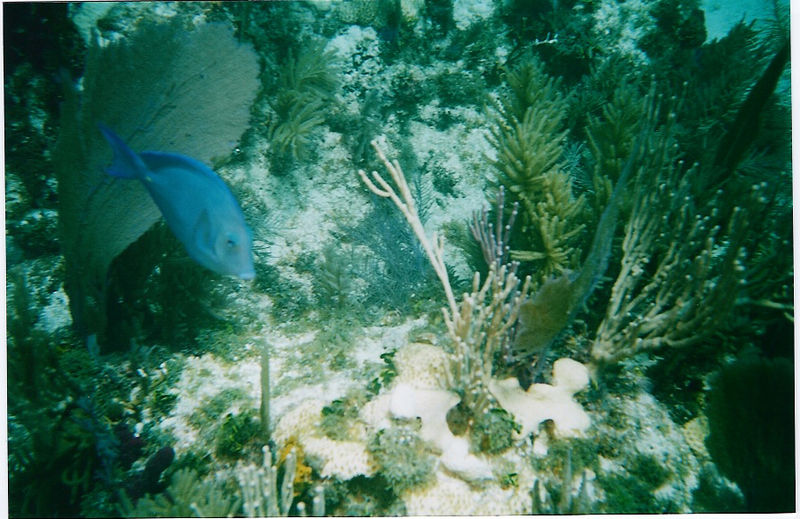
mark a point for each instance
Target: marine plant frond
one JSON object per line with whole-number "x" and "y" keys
{"x": 403, "y": 458}
{"x": 552, "y": 224}
{"x": 529, "y": 138}
{"x": 779, "y": 24}
{"x": 292, "y": 134}
{"x": 307, "y": 82}
{"x": 286, "y": 100}
{"x": 725, "y": 72}
{"x": 311, "y": 70}
{"x": 527, "y": 125}
{"x": 187, "y": 496}
{"x": 334, "y": 278}
{"x": 526, "y": 150}
{"x": 531, "y": 86}
{"x": 611, "y": 136}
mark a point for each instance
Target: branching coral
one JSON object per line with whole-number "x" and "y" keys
{"x": 479, "y": 326}
{"x": 259, "y": 487}
{"x": 434, "y": 251}
{"x": 528, "y": 140}
{"x": 680, "y": 268}
{"x": 526, "y": 134}
{"x": 480, "y": 330}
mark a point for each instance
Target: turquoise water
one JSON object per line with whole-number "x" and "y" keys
{"x": 510, "y": 257}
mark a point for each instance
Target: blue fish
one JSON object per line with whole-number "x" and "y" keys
{"x": 196, "y": 203}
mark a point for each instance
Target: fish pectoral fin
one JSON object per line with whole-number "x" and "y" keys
{"x": 203, "y": 236}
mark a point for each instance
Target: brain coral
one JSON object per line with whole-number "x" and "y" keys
{"x": 423, "y": 366}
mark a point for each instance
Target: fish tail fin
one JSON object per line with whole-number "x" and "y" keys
{"x": 126, "y": 163}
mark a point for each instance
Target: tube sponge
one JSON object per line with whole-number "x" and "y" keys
{"x": 163, "y": 88}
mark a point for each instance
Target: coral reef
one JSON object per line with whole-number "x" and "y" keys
{"x": 574, "y": 297}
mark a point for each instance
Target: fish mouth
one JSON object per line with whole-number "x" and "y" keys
{"x": 247, "y": 275}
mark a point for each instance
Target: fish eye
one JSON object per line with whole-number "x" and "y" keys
{"x": 231, "y": 243}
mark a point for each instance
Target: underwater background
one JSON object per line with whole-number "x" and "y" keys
{"x": 511, "y": 257}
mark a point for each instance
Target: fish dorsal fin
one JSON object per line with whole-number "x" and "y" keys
{"x": 159, "y": 161}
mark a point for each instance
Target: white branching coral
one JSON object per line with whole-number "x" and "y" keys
{"x": 479, "y": 326}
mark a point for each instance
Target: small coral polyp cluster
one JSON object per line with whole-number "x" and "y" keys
{"x": 512, "y": 257}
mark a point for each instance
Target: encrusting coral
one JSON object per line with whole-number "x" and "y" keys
{"x": 343, "y": 459}
{"x": 431, "y": 406}
{"x": 547, "y": 401}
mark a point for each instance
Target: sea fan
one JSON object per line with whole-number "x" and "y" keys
{"x": 164, "y": 88}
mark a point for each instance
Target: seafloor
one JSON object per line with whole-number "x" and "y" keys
{"x": 631, "y": 351}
